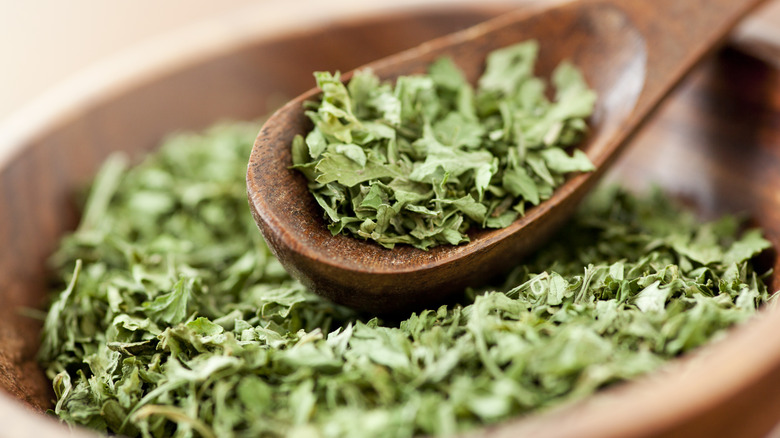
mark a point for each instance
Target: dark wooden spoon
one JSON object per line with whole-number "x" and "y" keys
{"x": 631, "y": 52}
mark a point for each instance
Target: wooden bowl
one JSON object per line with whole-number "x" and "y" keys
{"x": 716, "y": 142}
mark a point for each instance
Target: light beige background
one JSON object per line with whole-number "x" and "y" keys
{"x": 44, "y": 42}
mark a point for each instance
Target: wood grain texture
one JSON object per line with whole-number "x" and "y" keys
{"x": 631, "y": 53}
{"x": 715, "y": 142}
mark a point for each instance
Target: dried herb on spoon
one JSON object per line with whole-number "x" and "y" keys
{"x": 423, "y": 161}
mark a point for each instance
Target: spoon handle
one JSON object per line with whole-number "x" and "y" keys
{"x": 678, "y": 33}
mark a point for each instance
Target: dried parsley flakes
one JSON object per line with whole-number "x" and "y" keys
{"x": 422, "y": 162}
{"x": 175, "y": 320}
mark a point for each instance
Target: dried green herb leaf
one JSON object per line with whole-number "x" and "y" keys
{"x": 181, "y": 322}
{"x": 502, "y": 146}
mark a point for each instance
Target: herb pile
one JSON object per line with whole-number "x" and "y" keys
{"x": 175, "y": 320}
{"x": 422, "y": 162}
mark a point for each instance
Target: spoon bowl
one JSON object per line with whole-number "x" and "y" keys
{"x": 631, "y": 53}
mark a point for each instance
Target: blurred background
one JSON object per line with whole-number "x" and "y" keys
{"x": 46, "y": 43}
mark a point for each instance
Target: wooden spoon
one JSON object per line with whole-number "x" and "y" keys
{"x": 631, "y": 52}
